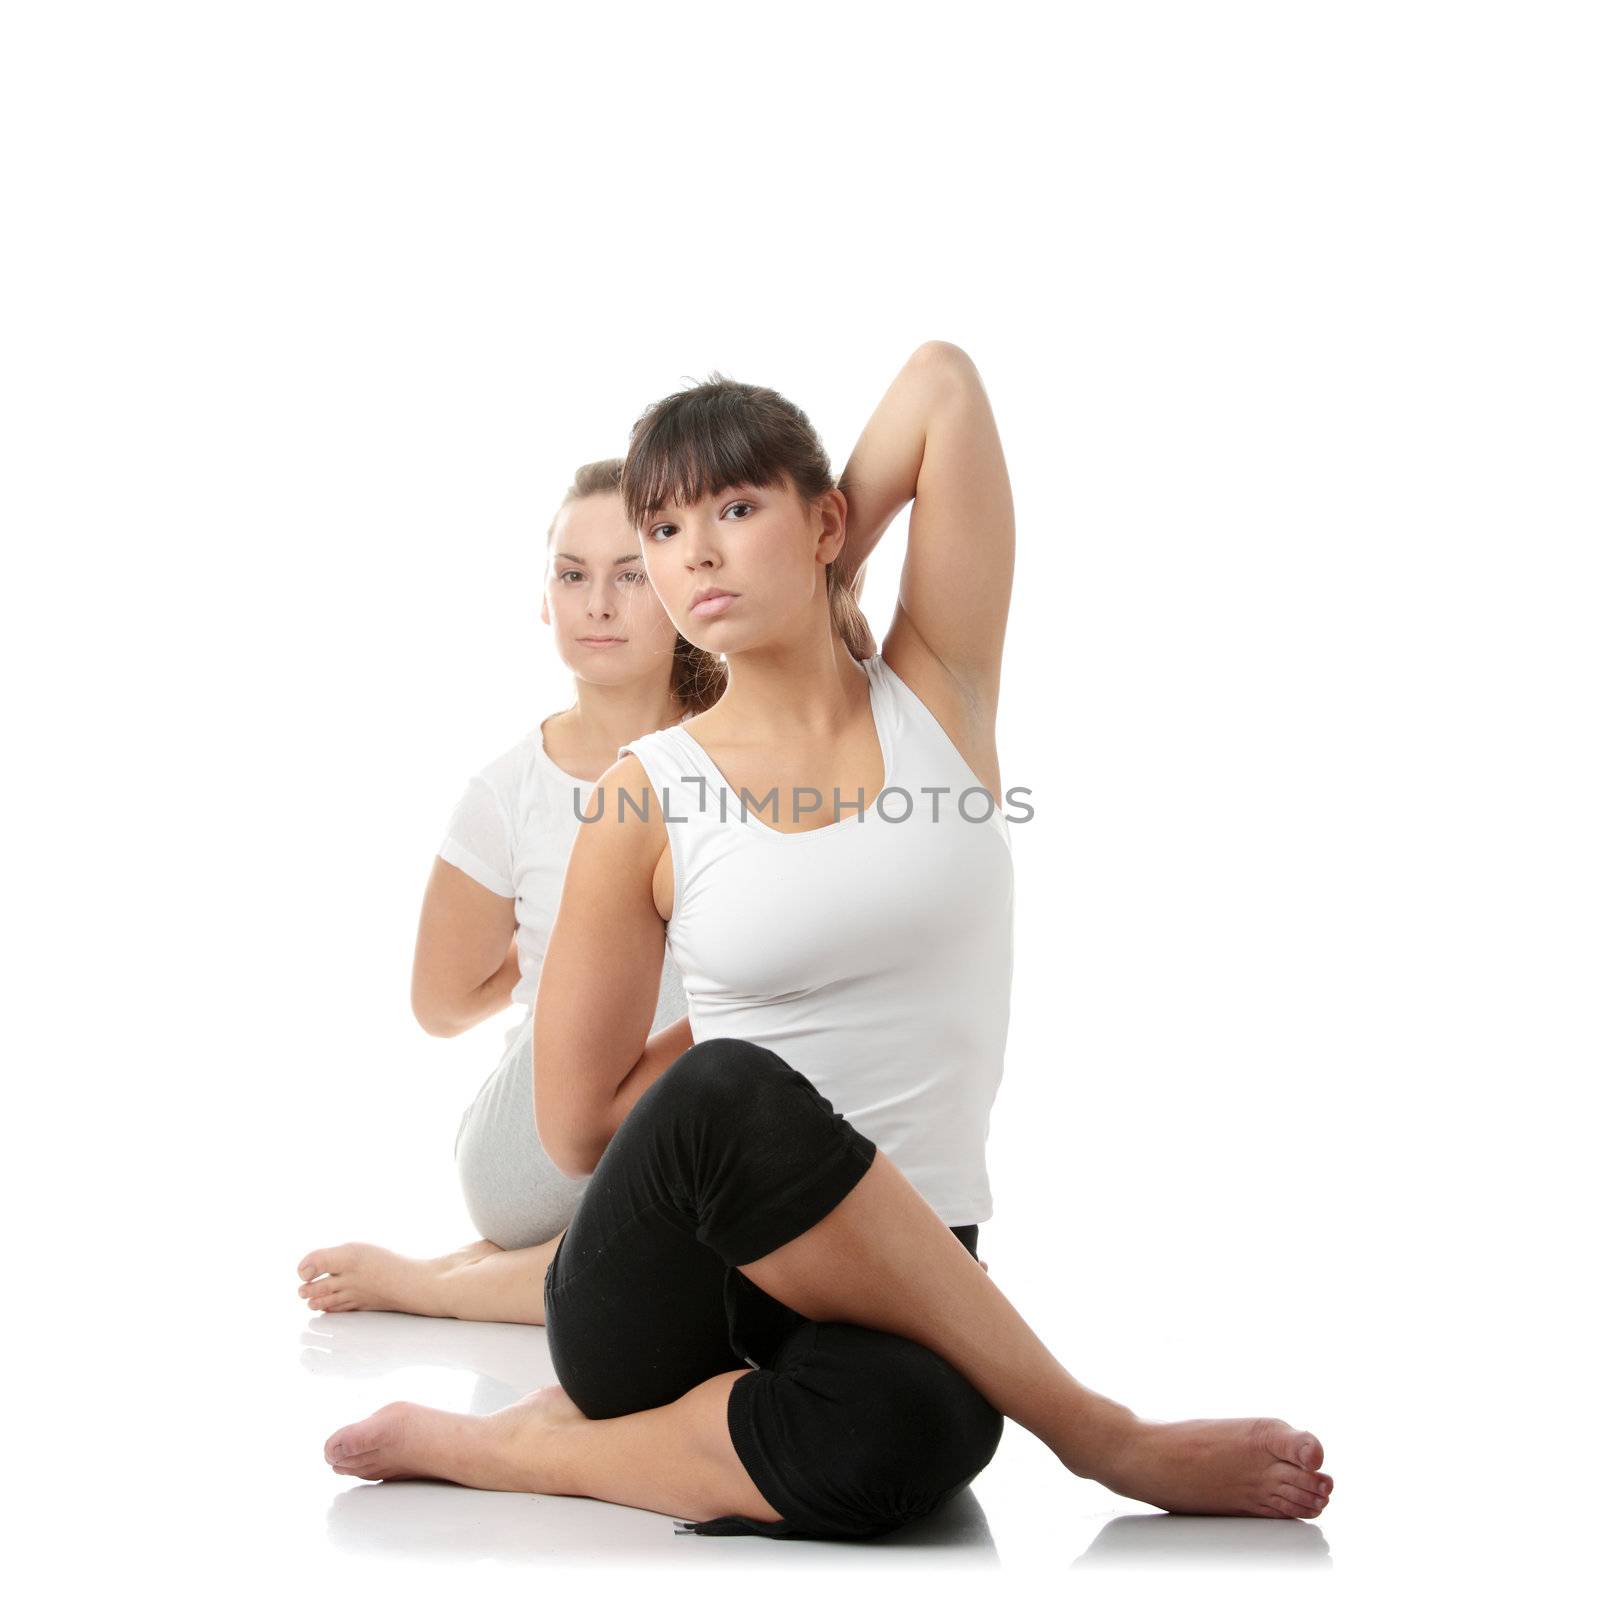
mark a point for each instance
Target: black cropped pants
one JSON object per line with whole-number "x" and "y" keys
{"x": 846, "y": 1431}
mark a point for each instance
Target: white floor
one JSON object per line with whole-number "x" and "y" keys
{"x": 180, "y": 1444}
{"x": 170, "y": 1396}
{"x": 358, "y": 1361}
{"x": 189, "y": 1452}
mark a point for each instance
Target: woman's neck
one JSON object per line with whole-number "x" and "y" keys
{"x": 800, "y": 690}
{"x": 584, "y": 739}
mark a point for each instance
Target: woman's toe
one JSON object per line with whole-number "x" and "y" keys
{"x": 1313, "y": 1483}
{"x": 1286, "y": 1507}
{"x": 1293, "y": 1444}
{"x": 340, "y": 1445}
{"x": 1306, "y": 1504}
{"x": 332, "y": 1258}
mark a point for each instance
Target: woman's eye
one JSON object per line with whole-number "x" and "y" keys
{"x": 632, "y": 576}
{"x": 571, "y": 572}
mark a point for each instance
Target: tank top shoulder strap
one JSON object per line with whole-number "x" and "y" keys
{"x": 925, "y": 745}
{"x": 681, "y": 776}
{"x": 678, "y": 769}
{"x": 901, "y": 713}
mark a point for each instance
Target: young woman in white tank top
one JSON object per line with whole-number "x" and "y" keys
{"x": 871, "y": 956}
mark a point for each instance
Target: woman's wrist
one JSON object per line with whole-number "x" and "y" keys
{"x": 494, "y": 994}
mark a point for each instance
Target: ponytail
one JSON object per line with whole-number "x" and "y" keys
{"x": 849, "y": 621}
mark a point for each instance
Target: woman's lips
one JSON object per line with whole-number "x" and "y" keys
{"x": 602, "y": 644}
{"x": 711, "y": 607}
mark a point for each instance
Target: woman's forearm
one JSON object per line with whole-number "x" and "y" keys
{"x": 492, "y": 995}
{"x": 880, "y": 478}
{"x": 660, "y": 1051}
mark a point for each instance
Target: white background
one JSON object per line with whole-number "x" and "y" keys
{"x": 1288, "y": 317}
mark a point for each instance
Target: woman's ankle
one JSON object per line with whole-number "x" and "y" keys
{"x": 483, "y": 1283}
{"x": 1097, "y": 1432}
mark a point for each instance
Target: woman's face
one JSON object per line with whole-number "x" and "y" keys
{"x": 766, "y": 548}
{"x": 609, "y": 625}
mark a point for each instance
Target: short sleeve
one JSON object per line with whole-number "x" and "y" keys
{"x": 479, "y": 841}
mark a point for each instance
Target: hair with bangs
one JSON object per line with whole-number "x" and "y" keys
{"x": 698, "y": 678}
{"x": 703, "y": 440}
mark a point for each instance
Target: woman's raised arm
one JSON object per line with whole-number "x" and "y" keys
{"x": 933, "y": 441}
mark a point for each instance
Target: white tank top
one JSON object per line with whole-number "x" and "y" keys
{"x": 873, "y": 954}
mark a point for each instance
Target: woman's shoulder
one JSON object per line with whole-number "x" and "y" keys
{"x": 523, "y": 783}
{"x": 646, "y": 751}
{"x": 509, "y": 770}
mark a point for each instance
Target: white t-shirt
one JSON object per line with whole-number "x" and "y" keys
{"x": 513, "y": 830}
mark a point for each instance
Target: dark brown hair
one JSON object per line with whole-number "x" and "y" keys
{"x": 698, "y": 678}
{"x": 703, "y": 440}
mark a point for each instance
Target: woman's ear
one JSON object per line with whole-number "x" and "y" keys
{"x": 835, "y": 511}
{"x": 544, "y": 608}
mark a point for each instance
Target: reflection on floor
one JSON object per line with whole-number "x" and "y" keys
{"x": 1157, "y": 1540}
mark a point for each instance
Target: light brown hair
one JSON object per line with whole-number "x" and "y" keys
{"x": 698, "y": 677}
{"x": 703, "y": 440}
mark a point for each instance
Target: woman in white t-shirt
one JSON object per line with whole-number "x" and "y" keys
{"x": 491, "y": 902}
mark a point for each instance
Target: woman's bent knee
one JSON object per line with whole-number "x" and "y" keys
{"x": 718, "y": 1076}
{"x": 735, "y": 1085}
{"x": 864, "y": 1432}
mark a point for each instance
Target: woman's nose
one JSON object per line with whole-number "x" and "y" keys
{"x": 698, "y": 550}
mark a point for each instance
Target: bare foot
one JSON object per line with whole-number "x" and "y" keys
{"x": 1240, "y": 1467}
{"x": 366, "y": 1277}
{"x": 508, "y": 1449}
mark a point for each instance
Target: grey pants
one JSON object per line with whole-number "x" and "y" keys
{"x": 515, "y": 1194}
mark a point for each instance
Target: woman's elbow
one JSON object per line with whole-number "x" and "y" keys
{"x": 434, "y": 1017}
{"x": 570, "y": 1154}
{"x": 946, "y": 359}
{"x": 440, "y": 1027}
